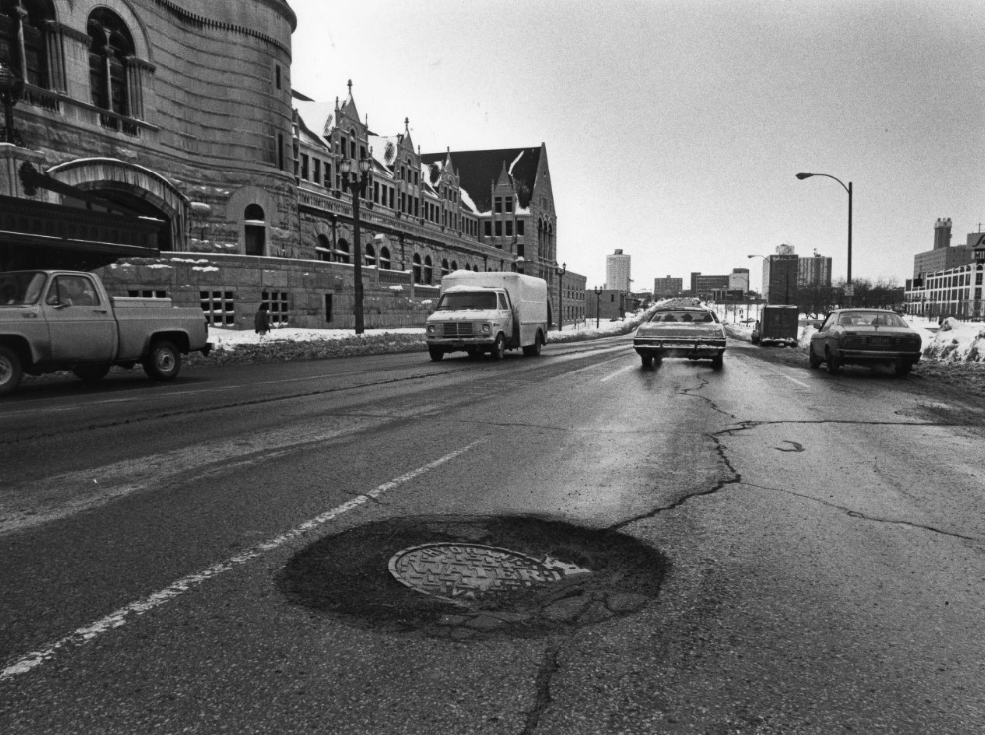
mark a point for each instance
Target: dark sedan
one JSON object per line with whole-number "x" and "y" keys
{"x": 690, "y": 332}
{"x": 864, "y": 337}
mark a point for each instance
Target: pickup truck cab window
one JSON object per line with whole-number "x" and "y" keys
{"x": 72, "y": 291}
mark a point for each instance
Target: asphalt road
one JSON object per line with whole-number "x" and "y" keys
{"x": 823, "y": 538}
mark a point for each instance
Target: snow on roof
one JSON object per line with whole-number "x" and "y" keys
{"x": 384, "y": 148}
{"x": 467, "y": 201}
{"x": 515, "y": 162}
{"x": 316, "y": 116}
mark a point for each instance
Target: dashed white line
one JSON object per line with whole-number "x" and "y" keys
{"x": 798, "y": 382}
{"x": 119, "y": 618}
{"x": 618, "y": 372}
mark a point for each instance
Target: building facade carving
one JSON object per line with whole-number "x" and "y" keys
{"x": 188, "y": 117}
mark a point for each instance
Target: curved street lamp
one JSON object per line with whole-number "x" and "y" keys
{"x": 355, "y": 184}
{"x": 598, "y": 299}
{"x": 848, "y": 288}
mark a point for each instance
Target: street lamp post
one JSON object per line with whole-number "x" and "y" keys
{"x": 560, "y": 295}
{"x": 598, "y": 302}
{"x": 356, "y": 186}
{"x": 848, "y": 285}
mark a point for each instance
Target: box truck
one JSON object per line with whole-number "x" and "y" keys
{"x": 777, "y": 325}
{"x": 489, "y": 313}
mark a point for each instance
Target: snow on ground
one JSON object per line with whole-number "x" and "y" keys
{"x": 952, "y": 341}
{"x": 223, "y": 339}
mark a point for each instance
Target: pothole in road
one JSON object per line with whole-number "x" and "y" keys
{"x": 466, "y": 577}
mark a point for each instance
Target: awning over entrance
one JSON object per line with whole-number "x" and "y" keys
{"x": 43, "y": 235}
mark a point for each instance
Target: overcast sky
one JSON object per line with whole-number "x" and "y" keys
{"x": 674, "y": 128}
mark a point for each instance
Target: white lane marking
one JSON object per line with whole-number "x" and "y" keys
{"x": 119, "y": 618}
{"x": 618, "y": 372}
{"x": 794, "y": 380}
{"x": 593, "y": 366}
{"x": 64, "y": 495}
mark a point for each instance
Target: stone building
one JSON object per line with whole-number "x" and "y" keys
{"x": 189, "y": 119}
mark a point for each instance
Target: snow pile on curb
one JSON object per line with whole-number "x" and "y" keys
{"x": 956, "y": 341}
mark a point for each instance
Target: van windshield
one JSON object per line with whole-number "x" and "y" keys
{"x": 467, "y": 300}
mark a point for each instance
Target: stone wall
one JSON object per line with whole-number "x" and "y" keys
{"x": 235, "y": 285}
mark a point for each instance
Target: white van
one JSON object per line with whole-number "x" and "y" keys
{"x": 489, "y": 312}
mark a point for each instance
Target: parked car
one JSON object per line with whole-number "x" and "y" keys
{"x": 864, "y": 337}
{"x": 682, "y": 331}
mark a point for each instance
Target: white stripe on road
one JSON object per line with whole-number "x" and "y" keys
{"x": 794, "y": 380}
{"x": 119, "y": 618}
{"x": 618, "y": 372}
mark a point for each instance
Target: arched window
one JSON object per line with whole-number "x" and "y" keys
{"x": 428, "y": 271}
{"x": 370, "y": 255}
{"x": 417, "y": 268}
{"x": 255, "y": 230}
{"x": 23, "y": 42}
{"x": 385, "y": 258}
{"x": 111, "y": 51}
{"x": 444, "y": 267}
{"x": 342, "y": 251}
{"x": 352, "y": 143}
{"x": 475, "y": 269}
{"x": 454, "y": 265}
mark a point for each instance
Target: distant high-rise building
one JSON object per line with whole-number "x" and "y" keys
{"x": 665, "y": 288}
{"x": 780, "y": 276}
{"x": 814, "y": 271}
{"x": 738, "y": 280}
{"x": 617, "y": 272}
{"x": 704, "y": 287}
{"x": 943, "y": 256}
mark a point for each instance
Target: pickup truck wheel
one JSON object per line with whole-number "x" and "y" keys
{"x": 436, "y": 353}
{"x": 717, "y": 362}
{"x": 498, "y": 348}
{"x": 91, "y": 373}
{"x": 10, "y": 370}
{"x": 163, "y": 362}
{"x": 647, "y": 360}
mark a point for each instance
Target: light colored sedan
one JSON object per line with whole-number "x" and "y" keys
{"x": 864, "y": 337}
{"x": 691, "y": 332}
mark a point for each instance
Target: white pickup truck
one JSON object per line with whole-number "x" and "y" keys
{"x": 65, "y": 320}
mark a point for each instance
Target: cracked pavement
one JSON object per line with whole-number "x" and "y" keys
{"x": 823, "y": 537}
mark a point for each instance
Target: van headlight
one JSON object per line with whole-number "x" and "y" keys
{"x": 430, "y": 329}
{"x": 486, "y": 329}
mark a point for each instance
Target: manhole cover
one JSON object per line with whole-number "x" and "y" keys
{"x": 463, "y": 577}
{"x": 460, "y": 572}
